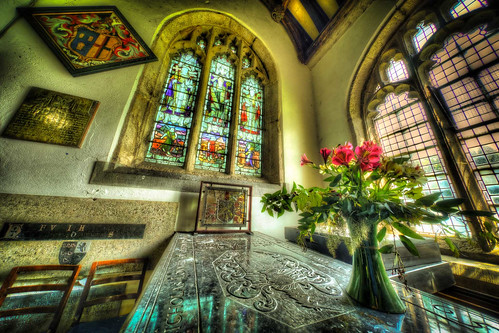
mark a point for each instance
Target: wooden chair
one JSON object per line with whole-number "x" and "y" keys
{"x": 96, "y": 278}
{"x": 8, "y": 288}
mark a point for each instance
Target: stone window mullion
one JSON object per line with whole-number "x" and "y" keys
{"x": 198, "y": 114}
{"x": 231, "y": 151}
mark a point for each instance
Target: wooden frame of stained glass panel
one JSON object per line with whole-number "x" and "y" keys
{"x": 224, "y": 208}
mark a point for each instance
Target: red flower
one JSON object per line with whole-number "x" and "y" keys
{"x": 342, "y": 154}
{"x": 325, "y": 152}
{"x": 368, "y": 155}
{"x": 305, "y": 160}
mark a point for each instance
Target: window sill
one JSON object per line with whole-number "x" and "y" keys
{"x": 105, "y": 173}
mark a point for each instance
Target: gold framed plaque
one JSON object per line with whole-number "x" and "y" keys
{"x": 52, "y": 117}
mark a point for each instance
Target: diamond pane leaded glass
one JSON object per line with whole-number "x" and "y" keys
{"x": 465, "y": 6}
{"x": 403, "y": 129}
{"x": 249, "y": 134}
{"x": 467, "y": 74}
{"x": 168, "y": 143}
{"x": 212, "y": 147}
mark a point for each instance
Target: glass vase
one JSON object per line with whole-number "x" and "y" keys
{"x": 369, "y": 284}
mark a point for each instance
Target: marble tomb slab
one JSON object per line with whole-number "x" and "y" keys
{"x": 256, "y": 283}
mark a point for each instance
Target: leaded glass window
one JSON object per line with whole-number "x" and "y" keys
{"x": 425, "y": 31}
{"x": 446, "y": 114}
{"x": 249, "y": 134}
{"x": 397, "y": 71}
{"x": 173, "y": 121}
{"x": 213, "y": 141}
{"x": 466, "y": 74}
{"x": 403, "y": 129}
{"x": 465, "y": 6}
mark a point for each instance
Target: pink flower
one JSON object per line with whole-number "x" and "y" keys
{"x": 368, "y": 155}
{"x": 342, "y": 154}
{"x": 305, "y": 160}
{"x": 325, "y": 152}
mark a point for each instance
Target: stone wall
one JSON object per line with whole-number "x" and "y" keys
{"x": 159, "y": 218}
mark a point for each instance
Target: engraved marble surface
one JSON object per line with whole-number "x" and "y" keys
{"x": 256, "y": 283}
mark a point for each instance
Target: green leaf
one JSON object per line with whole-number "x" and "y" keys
{"x": 271, "y": 213}
{"x": 452, "y": 247}
{"x": 406, "y": 230}
{"x": 488, "y": 226}
{"x": 264, "y": 208}
{"x": 448, "y": 203}
{"x": 381, "y": 234}
{"x": 336, "y": 181}
{"x": 432, "y": 219}
{"x": 428, "y": 200}
{"x": 386, "y": 249}
{"x": 401, "y": 159}
{"x": 409, "y": 245}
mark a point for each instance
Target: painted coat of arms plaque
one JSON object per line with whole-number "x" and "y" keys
{"x": 88, "y": 39}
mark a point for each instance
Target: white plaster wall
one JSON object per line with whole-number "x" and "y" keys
{"x": 45, "y": 169}
{"x": 333, "y": 75}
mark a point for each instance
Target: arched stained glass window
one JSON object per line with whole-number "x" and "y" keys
{"x": 465, "y": 6}
{"x": 249, "y": 135}
{"x": 403, "y": 129}
{"x": 425, "y": 31}
{"x": 213, "y": 141}
{"x": 466, "y": 74}
{"x": 173, "y": 121}
{"x": 397, "y": 71}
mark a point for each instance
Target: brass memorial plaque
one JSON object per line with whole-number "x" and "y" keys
{"x": 52, "y": 117}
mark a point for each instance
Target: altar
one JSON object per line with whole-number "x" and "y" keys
{"x": 256, "y": 283}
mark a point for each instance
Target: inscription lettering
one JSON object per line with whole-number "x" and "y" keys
{"x": 42, "y": 231}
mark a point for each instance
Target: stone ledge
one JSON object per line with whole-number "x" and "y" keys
{"x": 105, "y": 173}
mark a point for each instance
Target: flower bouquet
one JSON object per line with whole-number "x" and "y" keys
{"x": 367, "y": 194}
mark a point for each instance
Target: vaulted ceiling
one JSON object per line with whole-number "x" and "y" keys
{"x": 306, "y": 21}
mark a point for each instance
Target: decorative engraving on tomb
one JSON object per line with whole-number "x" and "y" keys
{"x": 55, "y": 231}
{"x": 280, "y": 286}
{"x": 52, "y": 117}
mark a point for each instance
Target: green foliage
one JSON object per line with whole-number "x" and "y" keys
{"x": 389, "y": 193}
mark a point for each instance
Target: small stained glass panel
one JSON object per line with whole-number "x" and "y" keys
{"x": 224, "y": 208}
{"x": 172, "y": 125}
{"x": 212, "y": 147}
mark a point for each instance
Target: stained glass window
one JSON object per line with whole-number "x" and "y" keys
{"x": 202, "y": 43}
{"x": 249, "y": 135}
{"x": 465, "y": 6}
{"x": 397, "y": 71}
{"x": 424, "y": 32}
{"x": 246, "y": 63}
{"x": 403, "y": 129}
{"x": 212, "y": 148}
{"x": 172, "y": 125}
{"x": 466, "y": 73}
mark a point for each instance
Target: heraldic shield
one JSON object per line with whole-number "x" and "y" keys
{"x": 72, "y": 253}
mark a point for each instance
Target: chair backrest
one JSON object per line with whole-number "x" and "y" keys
{"x": 8, "y": 288}
{"x": 94, "y": 280}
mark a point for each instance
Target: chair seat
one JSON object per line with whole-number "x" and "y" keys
{"x": 111, "y": 325}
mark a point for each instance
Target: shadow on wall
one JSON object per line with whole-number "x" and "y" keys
{"x": 187, "y": 211}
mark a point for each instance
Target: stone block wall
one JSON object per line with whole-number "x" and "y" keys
{"x": 159, "y": 218}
